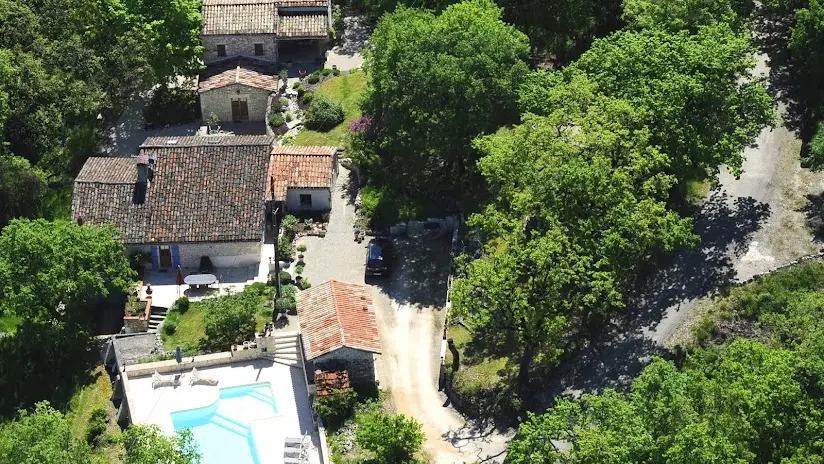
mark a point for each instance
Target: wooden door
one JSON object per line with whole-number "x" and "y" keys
{"x": 240, "y": 110}
{"x": 165, "y": 257}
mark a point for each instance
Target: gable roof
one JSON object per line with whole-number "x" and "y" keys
{"x": 300, "y": 167}
{"x": 228, "y": 17}
{"x": 240, "y": 71}
{"x": 204, "y": 189}
{"x": 303, "y": 26}
{"x": 335, "y": 314}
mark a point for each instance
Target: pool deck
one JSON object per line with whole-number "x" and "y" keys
{"x": 293, "y": 419}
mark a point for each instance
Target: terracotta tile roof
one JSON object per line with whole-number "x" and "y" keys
{"x": 299, "y": 167}
{"x": 335, "y": 314}
{"x": 229, "y": 17}
{"x": 204, "y": 189}
{"x": 301, "y": 3}
{"x": 238, "y": 74}
{"x": 325, "y": 382}
{"x": 104, "y": 193}
{"x": 303, "y": 25}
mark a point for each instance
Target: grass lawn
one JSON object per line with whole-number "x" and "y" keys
{"x": 84, "y": 401}
{"x": 191, "y": 326}
{"x": 477, "y": 371}
{"x": 346, "y": 89}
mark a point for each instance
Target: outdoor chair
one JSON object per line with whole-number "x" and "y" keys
{"x": 167, "y": 381}
{"x": 199, "y": 379}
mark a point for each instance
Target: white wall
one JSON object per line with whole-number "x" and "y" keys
{"x": 219, "y": 101}
{"x": 321, "y": 199}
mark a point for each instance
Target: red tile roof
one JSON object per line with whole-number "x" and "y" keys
{"x": 229, "y": 17}
{"x": 303, "y": 26}
{"x": 300, "y": 167}
{"x": 248, "y": 76}
{"x": 326, "y": 382}
{"x": 335, "y": 314}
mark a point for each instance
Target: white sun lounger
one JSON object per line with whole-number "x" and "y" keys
{"x": 199, "y": 379}
{"x": 167, "y": 381}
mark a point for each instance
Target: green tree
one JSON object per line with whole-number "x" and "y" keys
{"x": 686, "y": 14}
{"x": 393, "y": 438}
{"x": 337, "y": 406}
{"x": 579, "y": 204}
{"x": 700, "y": 101}
{"x": 435, "y": 83}
{"x": 146, "y": 444}
{"x": 229, "y": 320}
{"x": 22, "y": 189}
{"x": 42, "y": 436}
{"x": 745, "y": 403}
{"x": 58, "y": 270}
{"x": 324, "y": 113}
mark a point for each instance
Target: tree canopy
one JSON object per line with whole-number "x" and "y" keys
{"x": 687, "y": 15}
{"x": 435, "y": 83}
{"x": 58, "y": 270}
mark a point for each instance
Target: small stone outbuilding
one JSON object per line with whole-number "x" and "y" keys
{"x": 339, "y": 330}
{"x": 237, "y": 90}
{"x": 301, "y": 177}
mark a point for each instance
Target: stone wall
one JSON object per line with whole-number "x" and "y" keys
{"x": 359, "y": 363}
{"x": 239, "y": 45}
{"x": 222, "y": 254}
{"x": 219, "y": 101}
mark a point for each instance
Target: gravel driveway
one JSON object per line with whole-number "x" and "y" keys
{"x": 409, "y": 308}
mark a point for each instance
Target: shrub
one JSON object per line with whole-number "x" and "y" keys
{"x": 229, "y": 320}
{"x": 283, "y": 75}
{"x": 313, "y": 79}
{"x": 133, "y": 306}
{"x": 171, "y": 106}
{"x": 326, "y": 71}
{"x": 337, "y": 406}
{"x": 275, "y": 120}
{"x": 295, "y": 85}
{"x": 816, "y": 149}
{"x": 257, "y": 289}
{"x": 308, "y": 97}
{"x": 304, "y": 284}
{"x": 285, "y": 248}
{"x": 169, "y": 327}
{"x": 181, "y": 304}
{"x": 324, "y": 113}
{"x": 96, "y": 426}
{"x": 302, "y": 247}
{"x": 289, "y": 117}
{"x": 392, "y": 437}
{"x": 289, "y": 291}
{"x": 335, "y": 72}
{"x": 301, "y": 91}
{"x": 285, "y": 304}
{"x": 285, "y": 277}
{"x": 284, "y": 102}
{"x": 289, "y": 224}
{"x": 298, "y": 269}
{"x": 384, "y": 208}
{"x": 277, "y": 105}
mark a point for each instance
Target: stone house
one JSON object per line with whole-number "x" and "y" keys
{"x": 237, "y": 90}
{"x": 182, "y": 198}
{"x": 272, "y": 30}
{"x": 301, "y": 178}
{"x": 339, "y": 330}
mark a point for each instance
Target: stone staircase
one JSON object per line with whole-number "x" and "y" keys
{"x": 284, "y": 348}
{"x": 157, "y": 316}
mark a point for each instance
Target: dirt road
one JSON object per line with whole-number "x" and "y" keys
{"x": 409, "y": 306}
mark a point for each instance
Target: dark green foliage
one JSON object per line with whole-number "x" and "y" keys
{"x": 275, "y": 120}
{"x": 815, "y": 150}
{"x": 277, "y": 105}
{"x": 303, "y": 283}
{"x": 41, "y": 436}
{"x": 146, "y": 444}
{"x": 392, "y": 438}
{"x": 285, "y": 248}
{"x": 326, "y": 71}
{"x": 435, "y": 83}
{"x": 336, "y": 72}
{"x": 300, "y": 90}
{"x": 383, "y": 207}
{"x": 324, "y": 113}
{"x": 172, "y": 106}
{"x": 336, "y": 407}
{"x": 169, "y": 327}
{"x": 289, "y": 291}
{"x": 96, "y": 426}
{"x": 313, "y": 79}
{"x": 285, "y": 277}
{"x": 295, "y": 84}
{"x": 181, "y": 305}
{"x": 308, "y": 97}
{"x": 289, "y": 224}
{"x": 286, "y": 304}
{"x": 229, "y": 320}
{"x": 22, "y": 189}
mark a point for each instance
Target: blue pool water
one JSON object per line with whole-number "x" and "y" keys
{"x": 222, "y": 430}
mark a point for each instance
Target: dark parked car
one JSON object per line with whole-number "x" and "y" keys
{"x": 378, "y": 256}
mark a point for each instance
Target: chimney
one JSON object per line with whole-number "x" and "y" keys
{"x": 143, "y": 170}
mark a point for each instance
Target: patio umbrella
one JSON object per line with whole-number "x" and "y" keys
{"x": 179, "y": 279}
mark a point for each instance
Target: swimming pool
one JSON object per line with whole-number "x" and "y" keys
{"x": 223, "y": 430}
